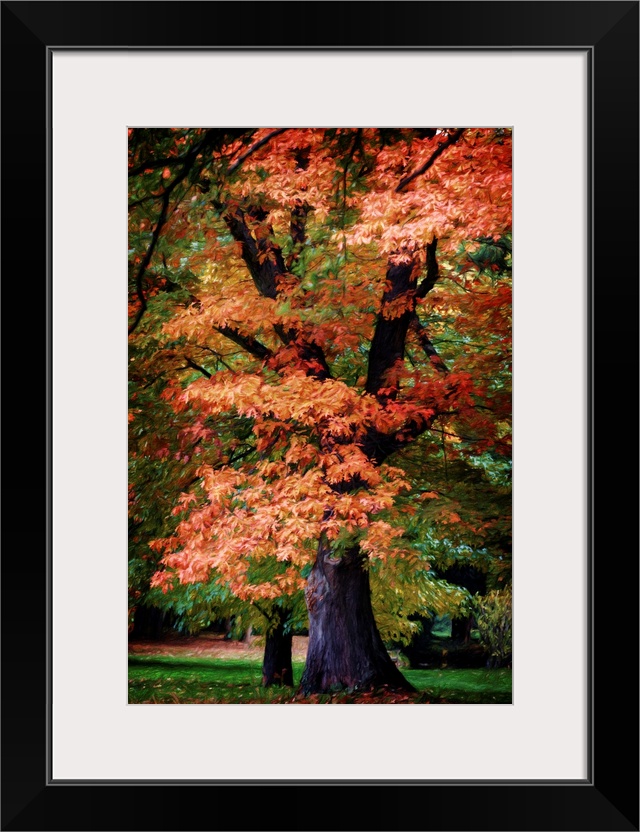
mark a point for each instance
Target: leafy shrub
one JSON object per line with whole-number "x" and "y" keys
{"x": 494, "y": 620}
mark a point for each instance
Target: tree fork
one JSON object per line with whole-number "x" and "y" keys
{"x": 264, "y": 260}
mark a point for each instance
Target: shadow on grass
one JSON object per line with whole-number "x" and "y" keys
{"x": 186, "y": 663}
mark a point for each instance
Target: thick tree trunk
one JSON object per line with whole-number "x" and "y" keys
{"x": 276, "y": 666}
{"x": 345, "y": 650}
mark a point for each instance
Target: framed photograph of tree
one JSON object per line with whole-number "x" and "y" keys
{"x": 340, "y": 217}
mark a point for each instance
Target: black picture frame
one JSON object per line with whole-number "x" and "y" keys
{"x": 608, "y": 799}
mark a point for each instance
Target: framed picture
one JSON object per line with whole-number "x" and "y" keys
{"x": 558, "y": 76}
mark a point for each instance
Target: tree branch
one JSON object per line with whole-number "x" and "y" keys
{"x": 245, "y": 341}
{"x": 147, "y": 259}
{"x": 255, "y": 146}
{"x": 387, "y": 344}
{"x": 427, "y": 345}
{"x": 297, "y": 230}
{"x": 433, "y": 270}
{"x": 263, "y": 257}
{"x": 197, "y": 367}
{"x": 452, "y": 139}
{"x": 262, "y": 611}
{"x": 189, "y": 161}
{"x": 190, "y": 155}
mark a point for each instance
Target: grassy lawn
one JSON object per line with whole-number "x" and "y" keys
{"x": 182, "y": 680}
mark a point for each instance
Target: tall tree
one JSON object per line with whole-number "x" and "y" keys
{"x": 349, "y": 286}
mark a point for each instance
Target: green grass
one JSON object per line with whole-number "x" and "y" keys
{"x": 165, "y": 679}
{"x": 170, "y": 680}
{"x": 463, "y": 685}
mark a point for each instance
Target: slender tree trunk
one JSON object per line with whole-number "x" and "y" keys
{"x": 148, "y": 622}
{"x": 345, "y": 650}
{"x": 276, "y": 665}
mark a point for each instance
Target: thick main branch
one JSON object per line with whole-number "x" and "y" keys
{"x": 262, "y": 256}
{"x": 388, "y": 342}
{"x": 397, "y": 314}
{"x": 264, "y": 260}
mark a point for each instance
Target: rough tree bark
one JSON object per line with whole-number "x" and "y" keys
{"x": 345, "y": 649}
